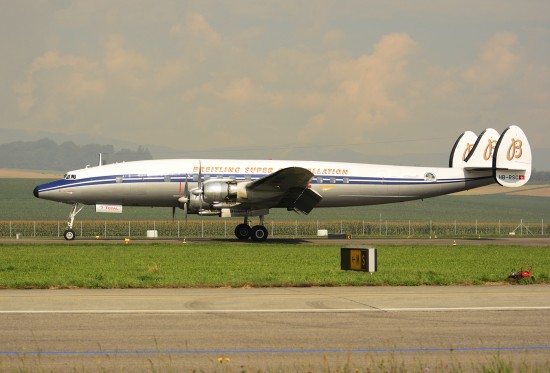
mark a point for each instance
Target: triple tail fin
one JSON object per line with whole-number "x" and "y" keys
{"x": 508, "y": 155}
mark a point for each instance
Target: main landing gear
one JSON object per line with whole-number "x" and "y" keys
{"x": 69, "y": 233}
{"x": 257, "y": 233}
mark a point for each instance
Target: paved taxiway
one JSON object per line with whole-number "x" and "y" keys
{"x": 300, "y": 329}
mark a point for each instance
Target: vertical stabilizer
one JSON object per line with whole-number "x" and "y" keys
{"x": 481, "y": 155}
{"x": 512, "y": 158}
{"x": 462, "y": 148}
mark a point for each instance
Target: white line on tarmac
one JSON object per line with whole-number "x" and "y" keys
{"x": 283, "y": 310}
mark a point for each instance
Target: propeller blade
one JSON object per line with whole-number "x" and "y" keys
{"x": 173, "y": 213}
{"x": 186, "y": 193}
{"x": 185, "y": 211}
{"x": 199, "y": 185}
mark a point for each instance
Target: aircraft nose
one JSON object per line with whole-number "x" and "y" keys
{"x": 35, "y": 192}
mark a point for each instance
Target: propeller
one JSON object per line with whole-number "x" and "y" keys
{"x": 198, "y": 190}
{"x": 185, "y": 194}
{"x": 184, "y": 197}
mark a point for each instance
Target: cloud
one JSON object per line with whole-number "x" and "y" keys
{"x": 497, "y": 62}
{"x": 198, "y": 27}
{"x": 124, "y": 63}
{"x": 240, "y": 91}
{"x": 71, "y": 76}
{"x": 368, "y": 91}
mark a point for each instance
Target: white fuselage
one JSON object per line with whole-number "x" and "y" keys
{"x": 160, "y": 182}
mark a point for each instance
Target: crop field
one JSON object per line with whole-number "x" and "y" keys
{"x": 463, "y": 215}
{"x": 119, "y": 265}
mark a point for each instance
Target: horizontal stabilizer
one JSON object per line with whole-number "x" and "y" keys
{"x": 512, "y": 159}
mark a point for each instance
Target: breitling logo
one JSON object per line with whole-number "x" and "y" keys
{"x": 515, "y": 150}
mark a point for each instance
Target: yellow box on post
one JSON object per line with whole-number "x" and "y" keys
{"x": 358, "y": 259}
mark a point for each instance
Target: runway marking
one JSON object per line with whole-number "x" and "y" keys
{"x": 285, "y": 310}
{"x": 280, "y": 351}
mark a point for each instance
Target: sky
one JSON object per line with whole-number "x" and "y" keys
{"x": 384, "y": 77}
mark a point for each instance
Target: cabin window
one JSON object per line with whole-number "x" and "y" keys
{"x": 346, "y": 180}
{"x": 195, "y": 177}
{"x": 319, "y": 179}
{"x": 247, "y": 177}
{"x": 119, "y": 179}
{"x": 167, "y": 179}
{"x": 206, "y": 177}
{"x": 333, "y": 180}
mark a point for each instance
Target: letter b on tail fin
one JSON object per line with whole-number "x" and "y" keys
{"x": 512, "y": 158}
{"x": 462, "y": 148}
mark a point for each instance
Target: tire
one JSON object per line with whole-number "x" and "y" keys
{"x": 259, "y": 233}
{"x": 69, "y": 235}
{"x": 242, "y": 231}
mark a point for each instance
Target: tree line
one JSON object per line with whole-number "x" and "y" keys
{"x": 46, "y": 154}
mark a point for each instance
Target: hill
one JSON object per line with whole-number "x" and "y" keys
{"x": 46, "y": 154}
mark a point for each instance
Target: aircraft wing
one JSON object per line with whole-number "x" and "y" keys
{"x": 287, "y": 187}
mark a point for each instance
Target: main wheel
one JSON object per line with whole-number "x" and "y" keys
{"x": 259, "y": 233}
{"x": 242, "y": 231}
{"x": 69, "y": 235}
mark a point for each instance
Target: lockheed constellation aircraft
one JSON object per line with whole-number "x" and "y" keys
{"x": 247, "y": 188}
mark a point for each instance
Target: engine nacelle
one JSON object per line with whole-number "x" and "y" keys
{"x": 223, "y": 191}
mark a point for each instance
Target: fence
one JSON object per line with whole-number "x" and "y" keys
{"x": 295, "y": 229}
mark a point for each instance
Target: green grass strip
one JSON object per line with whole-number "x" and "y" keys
{"x": 220, "y": 264}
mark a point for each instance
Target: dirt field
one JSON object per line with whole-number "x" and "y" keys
{"x": 527, "y": 190}
{"x": 25, "y": 174}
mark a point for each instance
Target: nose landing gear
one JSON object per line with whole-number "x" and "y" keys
{"x": 69, "y": 233}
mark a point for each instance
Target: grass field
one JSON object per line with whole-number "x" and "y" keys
{"x": 259, "y": 265}
{"x": 18, "y": 203}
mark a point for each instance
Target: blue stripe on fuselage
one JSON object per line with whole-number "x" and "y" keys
{"x": 112, "y": 179}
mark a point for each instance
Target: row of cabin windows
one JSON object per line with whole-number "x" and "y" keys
{"x": 332, "y": 180}
{"x": 195, "y": 178}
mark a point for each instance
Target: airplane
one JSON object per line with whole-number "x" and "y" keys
{"x": 250, "y": 188}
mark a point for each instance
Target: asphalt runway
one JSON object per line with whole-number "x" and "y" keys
{"x": 276, "y": 329}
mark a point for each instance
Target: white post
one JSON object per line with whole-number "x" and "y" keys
{"x": 128, "y": 228}
{"x": 105, "y": 232}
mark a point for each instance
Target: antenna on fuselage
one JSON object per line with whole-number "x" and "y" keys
{"x": 101, "y": 159}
